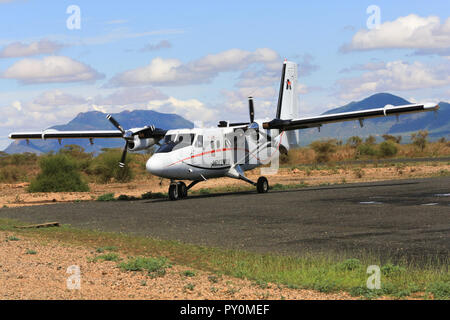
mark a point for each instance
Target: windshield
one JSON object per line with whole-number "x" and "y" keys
{"x": 179, "y": 141}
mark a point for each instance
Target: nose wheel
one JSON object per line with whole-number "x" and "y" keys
{"x": 179, "y": 190}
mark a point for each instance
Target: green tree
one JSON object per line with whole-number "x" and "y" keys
{"x": 388, "y": 137}
{"x": 420, "y": 139}
{"x": 371, "y": 140}
{"x": 354, "y": 141}
{"x": 59, "y": 173}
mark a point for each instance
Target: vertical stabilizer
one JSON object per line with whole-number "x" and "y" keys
{"x": 288, "y": 99}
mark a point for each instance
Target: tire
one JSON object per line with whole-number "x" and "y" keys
{"x": 173, "y": 192}
{"x": 182, "y": 190}
{"x": 262, "y": 185}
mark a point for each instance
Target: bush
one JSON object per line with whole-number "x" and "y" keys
{"x": 10, "y": 174}
{"x": 440, "y": 290}
{"x": 106, "y": 167}
{"x": 390, "y": 270}
{"x": 388, "y": 149}
{"x": 106, "y": 197}
{"x": 366, "y": 149}
{"x": 388, "y": 137}
{"x": 371, "y": 140}
{"x": 350, "y": 265}
{"x": 59, "y": 173}
{"x": 77, "y": 153}
{"x": 323, "y": 150}
{"x": 419, "y": 139}
{"x": 154, "y": 266}
{"x": 354, "y": 141}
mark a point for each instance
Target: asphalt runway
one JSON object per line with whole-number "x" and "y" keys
{"x": 403, "y": 218}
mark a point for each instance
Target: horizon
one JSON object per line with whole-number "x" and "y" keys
{"x": 202, "y": 60}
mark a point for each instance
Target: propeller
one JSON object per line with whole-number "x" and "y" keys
{"x": 251, "y": 109}
{"x": 126, "y": 136}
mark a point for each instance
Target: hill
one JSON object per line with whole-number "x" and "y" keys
{"x": 438, "y": 124}
{"x": 95, "y": 120}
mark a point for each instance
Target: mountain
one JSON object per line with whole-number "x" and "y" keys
{"x": 95, "y": 120}
{"x": 438, "y": 124}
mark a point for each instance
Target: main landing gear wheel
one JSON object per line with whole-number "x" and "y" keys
{"x": 262, "y": 185}
{"x": 182, "y": 190}
{"x": 173, "y": 192}
{"x": 178, "y": 191}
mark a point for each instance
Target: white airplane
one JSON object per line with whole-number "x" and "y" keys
{"x": 230, "y": 149}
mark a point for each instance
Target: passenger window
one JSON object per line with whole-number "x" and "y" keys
{"x": 199, "y": 143}
{"x": 212, "y": 145}
{"x": 218, "y": 144}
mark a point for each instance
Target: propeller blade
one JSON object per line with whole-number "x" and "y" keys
{"x": 251, "y": 109}
{"x": 115, "y": 123}
{"x": 124, "y": 155}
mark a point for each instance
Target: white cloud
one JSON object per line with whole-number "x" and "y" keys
{"x": 19, "y": 49}
{"x": 191, "y": 109}
{"x": 395, "y": 75}
{"x": 50, "y": 70}
{"x": 166, "y": 72}
{"x": 412, "y": 32}
{"x": 57, "y": 98}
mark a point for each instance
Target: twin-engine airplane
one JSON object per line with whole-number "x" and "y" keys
{"x": 230, "y": 149}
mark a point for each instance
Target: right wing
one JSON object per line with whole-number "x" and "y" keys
{"x": 313, "y": 122}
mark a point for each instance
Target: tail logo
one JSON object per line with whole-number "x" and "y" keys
{"x": 288, "y": 85}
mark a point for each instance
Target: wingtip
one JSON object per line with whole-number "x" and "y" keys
{"x": 431, "y": 105}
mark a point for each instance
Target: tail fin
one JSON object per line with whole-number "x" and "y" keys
{"x": 288, "y": 99}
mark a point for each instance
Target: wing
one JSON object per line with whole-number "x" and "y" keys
{"x": 312, "y": 122}
{"x": 54, "y": 134}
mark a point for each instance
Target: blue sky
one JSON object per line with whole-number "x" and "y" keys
{"x": 201, "y": 59}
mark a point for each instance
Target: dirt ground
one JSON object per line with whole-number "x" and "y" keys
{"x": 15, "y": 195}
{"x": 35, "y": 269}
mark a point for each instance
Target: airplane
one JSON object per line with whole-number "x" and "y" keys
{"x": 230, "y": 149}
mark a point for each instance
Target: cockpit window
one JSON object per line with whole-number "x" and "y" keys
{"x": 169, "y": 137}
{"x": 179, "y": 141}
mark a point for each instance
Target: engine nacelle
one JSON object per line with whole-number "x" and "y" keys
{"x": 139, "y": 144}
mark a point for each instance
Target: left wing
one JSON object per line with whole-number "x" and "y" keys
{"x": 312, "y": 122}
{"x": 54, "y": 134}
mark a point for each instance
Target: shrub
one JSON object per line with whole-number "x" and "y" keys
{"x": 189, "y": 273}
{"x": 107, "y": 257}
{"x": 106, "y": 197}
{"x": 154, "y": 266}
{"x": 77, "y": 153}
{"x": 419, "y": 139}
{"x": 354, "y": 141}
{"x": 388, "y": 137}
{"x": 106, "y": 167}
{"x": 323, "y": 150}
{"x": 440, "y": 290}
{"x": 388, "y": 149}
{"x": 371, "y": 140}
{"x": 10, "y": 174}
{"x": 390, "y": 270}
{"x": 366, "y": 149}
{"x": 350, "y": 265}
{"x": 59, "y": 173}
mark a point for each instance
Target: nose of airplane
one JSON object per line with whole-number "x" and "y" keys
{"x": 155, "y": 165}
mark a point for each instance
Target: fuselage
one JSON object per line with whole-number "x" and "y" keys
{"x": 205, "y": 153}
